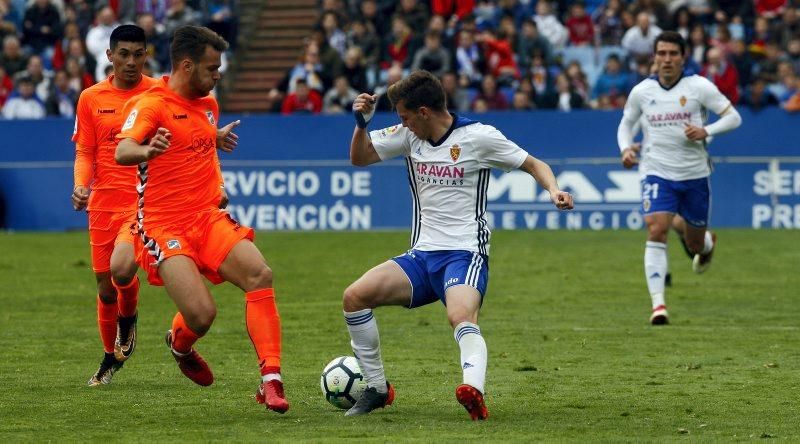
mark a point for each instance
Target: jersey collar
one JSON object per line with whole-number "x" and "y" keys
{"x": 458, "y": 122}
{"x": 655, "y": 77}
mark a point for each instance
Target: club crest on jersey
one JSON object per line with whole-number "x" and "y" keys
{"x": 210, "y": 116}
{"x": 130, "y": 120}
{"x": 646, "y": 204}
{"x": 683, "y": 100}
{"x": 455, "y": 152}
{"x": 173, "y": 244}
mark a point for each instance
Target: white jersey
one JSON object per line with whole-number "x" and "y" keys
{"x": 663, "y": 114}
{"x": 449, "y": 181}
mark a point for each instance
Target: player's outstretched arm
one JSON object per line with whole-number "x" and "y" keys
{"x": 546, "y": 179}
{"x": 130, "y": 152}
{"x": 226, "y": 138}
{"x": 362, "y": 153}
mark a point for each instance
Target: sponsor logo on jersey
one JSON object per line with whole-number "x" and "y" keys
{"x": 646, "y": 204}
{"x": 392, "y": 129}
{"x": 683, "y": 100}
{"x": 210, "y": 116}
{"x": 182, "y": 116}
{"x": 173, "y": 244}
{"x": 455, "y": 152}
{"x": 106, "y": 111}
{"x": 440, "y": 171}
{"x": 130, "y": 120}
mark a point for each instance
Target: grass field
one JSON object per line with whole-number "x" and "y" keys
{"x": 572, "y": 357}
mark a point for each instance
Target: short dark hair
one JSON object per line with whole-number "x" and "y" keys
{"x": 191, "y": 41}
{"x": 671, "y": 37}
{"x": 127, "y": 33}
{"x": 419, "y": 89}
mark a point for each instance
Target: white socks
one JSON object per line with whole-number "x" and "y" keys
{"x": 708, "y": 243}
{"x": 655, "y": 270}
{"x": 366, "y": 344}
{"x": 271, "y": 376}
{"x": 473, "y": 354}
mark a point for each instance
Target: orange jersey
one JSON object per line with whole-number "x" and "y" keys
{"x": 98, "y": 119}
{"x": 185, "y": 179}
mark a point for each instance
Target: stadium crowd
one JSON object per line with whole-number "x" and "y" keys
{"x": 529, "y": 54}
{"x": 489, "y": 54}
{"x": 54, "y": 49}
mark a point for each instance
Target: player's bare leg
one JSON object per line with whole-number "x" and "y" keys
{"x": 123, "y": 277}
{"x": 701, "y": 243}
{"x": 463, "y": 303}
{"x": 107, "y": 324}
{"x": 385, "y": 284}
{"x": 655, "y": 264}
{"x": 246, "y": 268}
{"x": 196, "y": 313}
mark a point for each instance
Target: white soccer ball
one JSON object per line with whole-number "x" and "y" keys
{"x": 342, "y": 382}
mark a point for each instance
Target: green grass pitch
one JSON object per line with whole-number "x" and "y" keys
{"x": 571, "y": 355}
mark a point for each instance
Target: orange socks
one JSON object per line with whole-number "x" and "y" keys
{"x": 127, "y": 297}
{"x": 107, "y": 323}
{"x": 264, "y": 328}
{"x": 182, "y": 336}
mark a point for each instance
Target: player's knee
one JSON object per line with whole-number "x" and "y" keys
{"x": 200, "y": 319}
{"x": 657, "y": 232}
{"x": 259, "y": 278}
{"x": 355, "y": 298}
{"x": 123, "y": 273}
{"x": 456, "y": 317}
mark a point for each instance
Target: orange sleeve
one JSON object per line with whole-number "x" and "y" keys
{"x": 83, "y": 133}
{"x": 793, "y": 104}
{"x": 84, "y": 165}
{"x": 142, "y": 119}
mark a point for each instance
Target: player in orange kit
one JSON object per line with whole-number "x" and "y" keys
{"x": 112, "y": 201}
{"x": 170, "y": 133}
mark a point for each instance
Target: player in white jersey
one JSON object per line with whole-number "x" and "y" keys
{"x": 448, "y": 160}
{"x": 675, "y": 165}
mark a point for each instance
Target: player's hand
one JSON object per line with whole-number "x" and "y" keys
{"x": 694, "y": 133}
{"x": 629, "y": 158}
{"x": 562, "y": 200}
{"x": 227, "y": 140}
{"x": 364, "y": 108}
{"x": 80, "y": 198}
{"x": 223, "y": 202}
{"x": 158, "y": 143}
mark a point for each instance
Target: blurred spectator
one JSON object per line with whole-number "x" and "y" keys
{"x": 642, "y": 70}
{"x": 495, "y": 100}
{"x": 786, "y": 85}
{"x": 520, "y": 10}
{"x": 722, "y": 74}
{"x": 24, "y": 104}
{"x": 157, "y": 42}
{"x": 757, "y": 97}
{"x": 740, "y": 58}
{"x": 793, "y": 53}
{"x": 612, "y": 83}
{"x": 456, "y": 97}
{"x": 362, "y": 34}
{"x": 793, "y": 104}
{"x": 540, "y": 80}
{"x": 567, "y": 98}
{"x": 528, "y": 42}
{"x": 639, "y": 39}
{"x": 521, "y": 102}
{"x": 480, "y": 106}
{"x": 333, "y": 32}
{"x": 770, "y": 8}
{"x": 682, "y": 22}
{"x": 698, "y": 44}
{"x": 608, "y": 19}
{"x": 487, "y": 14}
{"x": 340, "y": 98}
{"x": 303, "y": 100}
{"x": 41, "y": 27}
{"x": 220, "y": 17}
{"x": 12, "y": 58}
{"x": 432, "y": 57}
{"x": 447, "y": 8}
{"x": 767, "y": 67}
{"x": 399, "y": 44}
{"x": 329, "y": 58}
{"x": 414, "y": 13}
{"x": 370, "y": 14}
{"x": 788, "y": 27}
{"x": 578, "y": 81}
{"x": 579, "y": 25}
{"x": 469, "y": 59}
{"x": 98, "y": 37}
{"x": 393, "y": 75}
{"x": 657, "y": 13}
{"x": 71, "y": 32}
{"x": 179, "y": 14}
{"x": 722, "y": 40}
{"x": 700, "y": 9}
{"x": 40, "y": 77}
{"x": 308, "y": 70}
{"x": 61, "y": 99}
{"x": 549, "y": 26}
{"x": 6, "y": 86}
{"x": 499, "y": 58}
{"x": 79, "y": 78}
{"x": 9, "y": 19}
{"x": 157, "y": 8}
{"x": 354, "y": 70}
{"x": 761, "y": 34}
{"x": 83, "y": 15}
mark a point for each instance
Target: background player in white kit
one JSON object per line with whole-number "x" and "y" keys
{"x": 675, "y": 165}
{"x": 448, "y": 160}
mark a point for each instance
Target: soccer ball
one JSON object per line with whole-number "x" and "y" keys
{"x": 342, "y": 382}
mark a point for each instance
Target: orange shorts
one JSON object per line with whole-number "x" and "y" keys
{"x": 205, "y": 237}
{"x": 106, "y": 230}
